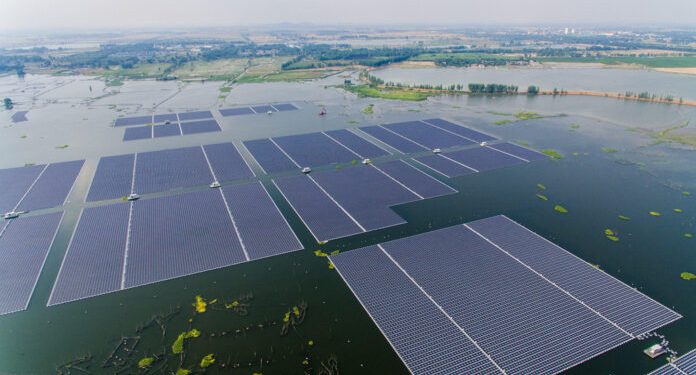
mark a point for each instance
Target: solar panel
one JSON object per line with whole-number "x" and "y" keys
{"x": 324, "y": 218}
{"x": 285, "y": 107}
{"x": 519, "y": 151}
{"x": 164, "y": 118}
{"x": 112, "y": 178}
{"x": 179, "y": 235}
{"x": 166, "y": 130}
{"x": 197, "y": 115}
{"x": 24, "y": 246}
{"x": 137, "y": 132}
{"x": 684, "y": 364}
{"x": 136, "y": 120}
{"x": 463, "y": 131}
{"x": 424, "y": 337}
{"x": 263, "y": 108}
{"x": 507, "y": 308}
{"x": 628, "y": 308}
{"x": 427, "y": 135}
{"x": 262, "y": 227}
{"x": 53, "y": 187}
{"x": 204, "y": 126}
{"x": 168, "y": 169}
{"x": 417, "y": 181}
{"x": 366, "y": 194}
{"x": 19, "y": 116}
{"x": 357, "y": 144}
{"x": 444, "y": 166}
{"x": 236, "y": 111}
{"x": 226, "y": 162}
{"x": 483, "y": 158}
{"x": 314, "y": 149}
{"x": 402, "y": 144}
{"x": 15, "y": 182}
{"x": 93, "y": 263}
{"x": 269, "y": 157}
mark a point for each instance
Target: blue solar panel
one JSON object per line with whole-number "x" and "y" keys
{"x": 113, "y": 178}
{"x": 226, "y": 162}
{"x": 483, "y": 158}
{"x": 137, "y": 132}
{"x": 53, "y": 187}
{"x": 263, "y": 108}
{"x": 427, "y": 135}
{"x": 366, "y": 194}
{"x": 519, "y": 151}
{"x": 166, "y": 130}
{"x": 24, "y": 246}
{"x": 198, "y": 115}
{"x": 419, "y": 182}
{"x": 359, "y": 145}
{"x": 93, "y": 263}
{"x": 180, "y": 235}
{"x": 319, "y": 213}
{"x": 269, "y": 157}
{"x": 20, "y": 116}
{"x": 204, "y": 126}
{"x": 314, "y": 149}
{"x": 236, "y": 111}
{"x": 444, "y": 166}
{"x": 137, "y": 120}
{"x": 667, "y": 369}
{"x": 684, "y": 364}
{"x": 465, "y": 132}
{"x": 15, "y": 182}
{"x": 512, "y": 317}
{"x": 285, "y": 107}
{"x": 630, "y": 309}
{"x": 168, "y": 169}
{"x": 424, "y": 337}
{"x": 393, "y": 140}
{"x": 164, "y": 118}
{"x": 262, "y": 227}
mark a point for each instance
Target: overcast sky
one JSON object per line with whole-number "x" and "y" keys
{"x": 125, "y": 14}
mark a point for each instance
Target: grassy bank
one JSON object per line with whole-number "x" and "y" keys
{"x": 647, "y": 61}
{"x": 366, "y": 91}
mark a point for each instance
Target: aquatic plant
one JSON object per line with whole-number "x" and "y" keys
{"x": 688, "y": 235}
{"x": 611, "y": 235}
{"x": 688, "y": 276}
{"x": 320, "y": 253}
{"x": 200, "y": 305}
{"x": 183, "y": 371}
{"x": 145, "y": 362}
{"x": 207, "y": 361}
{"x": 62, "y": 146}
{"x": 561, "y": 209}
{"x": 542, "y": 197}
{"x": 178, "y": 345}
{"x": 678, "y": 210}
{"x": 655, "y": 213}
{"x": 686, "y": 193}
{"x": 310, "y": 342}
{"x": 625, "y": 218}
{"x": 552, "y": 153}
{"x": 192, "y": 333}
{"x": 331, "y": 265}
{"x": 370, "y": 109}
{"x": 609, "y": 150}
{"x": 541, "y": 186}
{"x": 503, "y": 122}
{"x": 574, "y": 125}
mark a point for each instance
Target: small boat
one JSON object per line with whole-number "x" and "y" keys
{"x": 10, "y": 215}
{"x": 133, "y": 197}
{"x": 436, "y": 151}
{"x": 366, "y": 161}
{"x": 655, "y": 351}
{"x": 306, "y": 170}
{"x": 214, "y": 185}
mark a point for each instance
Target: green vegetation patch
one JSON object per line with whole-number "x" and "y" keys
{"x": 207, "y": 361}
{"x": 524, "y": 115}
{"x": 609, "y": 150}
{"x": 552, "y": 153}
{"x": 560, "y": 209}
{"x": 503, "y": 122}
{"x": 688, "y": 235}
{"x": 624, "y": 218}
{"x": 648, "y": 61}
{"x": 370, "y": 109}
{"x": 542, "y": 197}
{"x": 688, "y": 276}
{"x": 366, "y": 91}
{"x": 541, "y": 186}
{"x": 655, "y": 213}
{"x": 145, "y": 362}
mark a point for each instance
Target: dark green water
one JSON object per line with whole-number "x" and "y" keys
{"x": 593, "y": 185}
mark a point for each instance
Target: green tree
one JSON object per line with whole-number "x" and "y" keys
{"x": 8, "y": 103}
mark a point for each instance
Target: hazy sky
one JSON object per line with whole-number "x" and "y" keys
{"x": 94, "y": 14}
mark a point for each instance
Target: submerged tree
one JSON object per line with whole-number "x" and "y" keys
{"x": 8, "y": 103}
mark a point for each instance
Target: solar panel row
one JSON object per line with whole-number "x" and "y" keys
{"x": 126, "y": 245}
{"x": 683, "y": 365}
{"x": 491, "y": 291}
{"x": 479, "y": 159}
{"x": 24, "y": 246}
{"x": 162, "y": 118}
{"x": 156, "y": 171}
{"x": 339, "y": 203}
{"x": 172, "y": 129}
{"x": 258, "y": 109}
{"x": 37, "y": 186}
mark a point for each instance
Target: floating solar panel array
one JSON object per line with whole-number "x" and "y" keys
{"x": 188, "y": 123}
{"x": 24, "y": 246}
{"x": 163, "y": 118}
{"x": 156, "y": 171}
{"x": 684, "y": 365}
{"x": 479, "y": 159}
{"x": 339, "y": 203}
{"x": 20, "y": 116}
{"x": 493, "y": 297}
{"x": 37, "y": 186}
{"x": 126, "y": 245}
{"x": 283, "y": 107}
{"x": 310, "y": 150}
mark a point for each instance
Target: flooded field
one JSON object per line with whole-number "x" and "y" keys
{"x": 613, "y": 164}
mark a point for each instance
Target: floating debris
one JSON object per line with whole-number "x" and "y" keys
{"x": 62, "y": 146}
{"x": 122, "y": 352}
{"x": 655, "y": 213}
{"x": 688, "y": 276}
{"x": 293, "y": 317}
{"x": 609, "y": 150}
{"x": 207, "y": 361}
{"x": 560, "y": 209}
{"x": 542, "y": 197}
{"x": 145, "y": 362}
{"x": 541, "y": 186}
{"x": 625, "y": 218}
